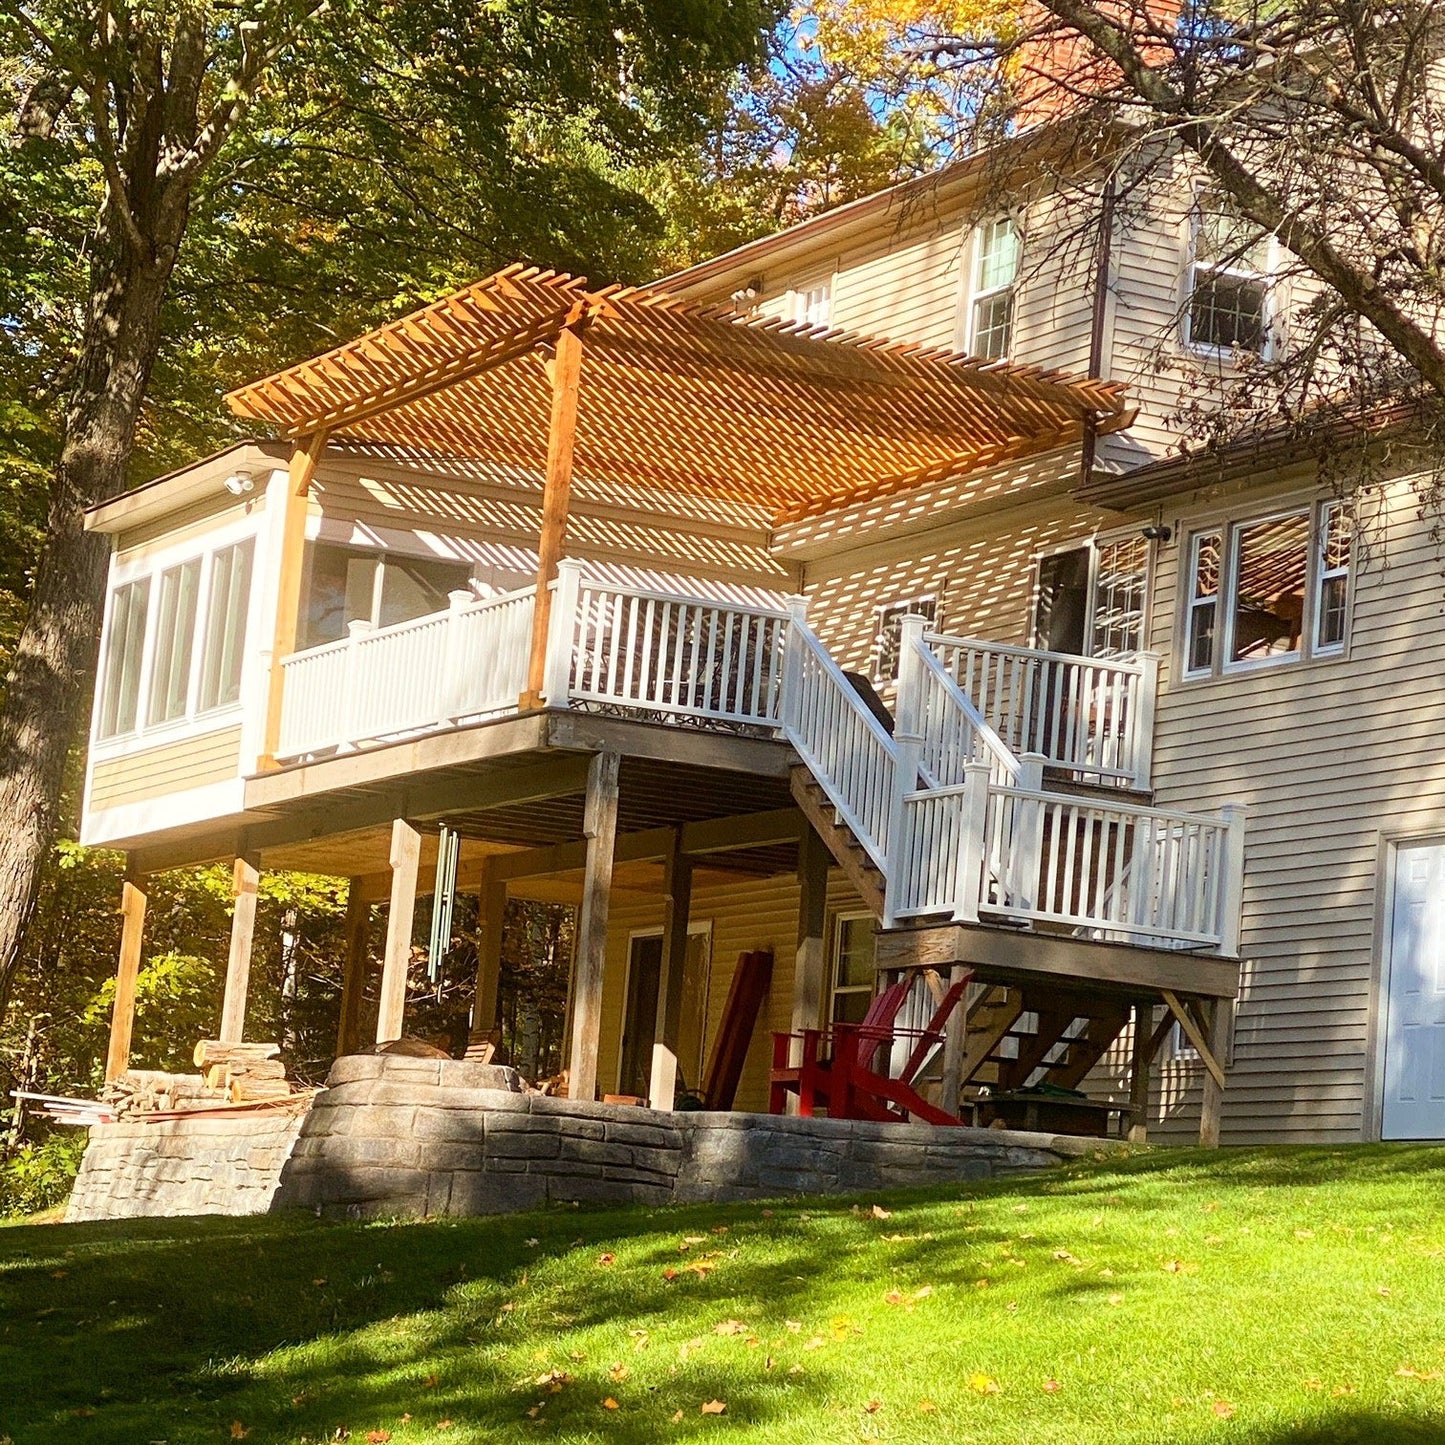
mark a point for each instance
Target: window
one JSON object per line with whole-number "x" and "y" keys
{"x": 888, "y": 643}
{"x": 381, "y": 588}
{"x": 227, "y": 604}
{"x": 991, "y": 300}
{"x": 854, "y": 975}
{"x": 812, "y": 305}
{"x": 1268, "y": 589}
{"x": 1228, "y": 280}
{"x": 1091, "y": 599}
{"x": 125, "y": 645}
{"x": 175, "y": 636}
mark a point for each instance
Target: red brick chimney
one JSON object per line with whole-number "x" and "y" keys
{"x": 1059, "y": 72}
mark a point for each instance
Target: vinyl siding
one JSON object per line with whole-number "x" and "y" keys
{"x": 1330, "y": 757}
{"x": 193, "y": 762}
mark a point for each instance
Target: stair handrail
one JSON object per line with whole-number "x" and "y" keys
{"x": 862, "y": 795}
{"x": 1004, "y": 762}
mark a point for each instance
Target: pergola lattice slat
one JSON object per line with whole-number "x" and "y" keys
{"x": 791, "y": 419}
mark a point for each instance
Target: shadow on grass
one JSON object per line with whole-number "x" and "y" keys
{"x": 1364, "y": 1427}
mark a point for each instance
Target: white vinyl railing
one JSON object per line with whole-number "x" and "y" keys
{"x": 387, "y": 682}
{"x": 657, "y": 652}
{"x": 1114, "y": 871}
{"x": 954, "y": 819}
{"x": 1092, "y": 716}
{"x": 847, "y": 750}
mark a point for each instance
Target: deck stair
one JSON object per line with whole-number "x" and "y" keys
{"x": 840, "y": 840}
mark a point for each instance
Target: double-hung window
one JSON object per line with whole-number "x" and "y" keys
{"x": 854, "y": 973}
{"x": 1227, "y": 305}
{"x": 991, "y": 298}
{"x": 812, "y": 305}
{"x": 1267, "y": 589}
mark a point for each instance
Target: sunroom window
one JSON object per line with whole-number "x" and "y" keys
{"x": 175, "y": 634}
{"x": 226, "y": 609}
{"x": 347, "y": 586}
{"x": 991, "y": 302}
{"x": 1268, "y": 589}
{"x": 125, "y": 647}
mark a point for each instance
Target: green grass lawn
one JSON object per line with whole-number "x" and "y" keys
{"x": 1281, "y": 1296}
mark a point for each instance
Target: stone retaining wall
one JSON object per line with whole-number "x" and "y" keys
{"x": 420, "y": 1137}
{"x": 201, "y": 1165}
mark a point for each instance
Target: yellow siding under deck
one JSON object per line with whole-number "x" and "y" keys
{"x": 171, "y": 768}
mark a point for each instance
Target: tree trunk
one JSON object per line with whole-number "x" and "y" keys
{"x": 55, "y": 657}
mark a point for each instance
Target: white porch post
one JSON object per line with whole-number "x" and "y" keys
{"x": 1142, "y": 725}
{"x": 561, "y": 629}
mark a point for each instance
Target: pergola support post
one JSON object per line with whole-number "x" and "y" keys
{"x": 677, "y": 903}
{"x": 566, "y": 375}
{"x": 405, "y": 867}
{"x": 599, "y": 827}
{"x": 358, "y": 935}
{"x": 810, "y": 959}
{"x": 245, "y": 886}
{"x": 122, "y": 1016}
{"x": 1142, "y": 1058}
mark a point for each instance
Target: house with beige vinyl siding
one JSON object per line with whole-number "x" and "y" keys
{"x": 836, "y": 628}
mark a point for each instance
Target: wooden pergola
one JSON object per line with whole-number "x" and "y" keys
{"x": 535, "y": 373}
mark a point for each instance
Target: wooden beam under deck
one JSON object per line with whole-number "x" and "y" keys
{"x": 1012, "y": 955}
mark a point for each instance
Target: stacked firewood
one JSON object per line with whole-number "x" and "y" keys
{"x": 148, "y": 1091}
{"x": 243, "y": 1073}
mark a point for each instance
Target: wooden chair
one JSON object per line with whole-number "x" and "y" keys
{"x": 845, "y": 1069}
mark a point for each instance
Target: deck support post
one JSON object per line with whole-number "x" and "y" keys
{"x": 289, "y": 536}
{"x": 1211, "y": 1108}
{"x": 810, "y": 962}
{"x": 245, "y": 883}
{"x": 955, "y": 1041}
{"x": 1142, "y": 1057}
{"x": 492, "y": 906}
{"x": 122, "y": 1016}
{"x": 599, "y": 827}
{"x": 405, "y": 866}
{"x": 677, "y": 904}
{"x": 353, "y": 983}
{"x": 566, "y": 375}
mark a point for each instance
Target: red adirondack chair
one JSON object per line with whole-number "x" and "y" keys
{"x": 845, "y": 1069}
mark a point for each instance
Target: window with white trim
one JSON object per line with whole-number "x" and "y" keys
{"x": 853, "y": 975}
{"x": 812, "y": 305}
{"x": 1091, "y": 598}
{"x": 175, "y": 642}
{"x": 996, "y": 251}
{"x": 124, "y": 653}
{"x": 346, "y": 585}
{"x": 888, "y": 640}
{"x": 1228, "y": 284}
{"x": 1267, "y": 589}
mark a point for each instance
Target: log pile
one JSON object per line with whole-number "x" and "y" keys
{"x": 148, "y": 1091}
{"x": 242, "y": 1073}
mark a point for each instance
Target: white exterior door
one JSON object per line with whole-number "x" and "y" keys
{"x": 1415, "y": 1026}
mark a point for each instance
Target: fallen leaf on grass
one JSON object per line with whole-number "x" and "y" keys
{"x": 730, "y": 1327}
{"x": 880, "y": 1213}
{"x": 927, "y": 1407}
{"x": 553, "y": 1380}
{"x": 982, "y": 1384}
{"x": 430, "y": 1383}
{"x": 606, "y": 1259}
{"x": 1051, "y": 1387}
{"x": 1314, "y": 1385}
{"x": 873, "y": 1407}
{"x": 639, "y": 1339}
{"x": 238, "y": 1430}
{"x": 1407, "y": 1372}
{"x": 1223, "y": 1409}
{"x": 677, "y": 1418}
{"x": 701, "y": 1268}
{"x": 377, "y": 1437}
{"x": 712, "y": 1407}
{"x": 610, "y": 1404}
{"x": 1116, "y": 1299}
{"x": 893, "y": 1297}
{"x": 816, "y": 1343}
{"x": 795, "y": 1327}
{"x": 618, "y": 1373}
{"x": 669, "y": 1275}
{"x": 444, "y": 1425}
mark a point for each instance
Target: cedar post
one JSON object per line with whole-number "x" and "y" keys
{"x": 677, "y": 902}
{"x": 405, "y": 865}
{"x": 955, "y": 1045}
{"x": 1221, "y": 1031}
{"x": 286, "y": 571}
{"x": 493, "y": 899}
{"x": 358, "y": 932}
{"x": 122, "y": 1017}
{"x": 599, "y": 827}
{"x": 566, "y": 373}
{"x": 1139, "y": 1073}
{"x": 245, "y": 882}
{"x": 810, "y": 960}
